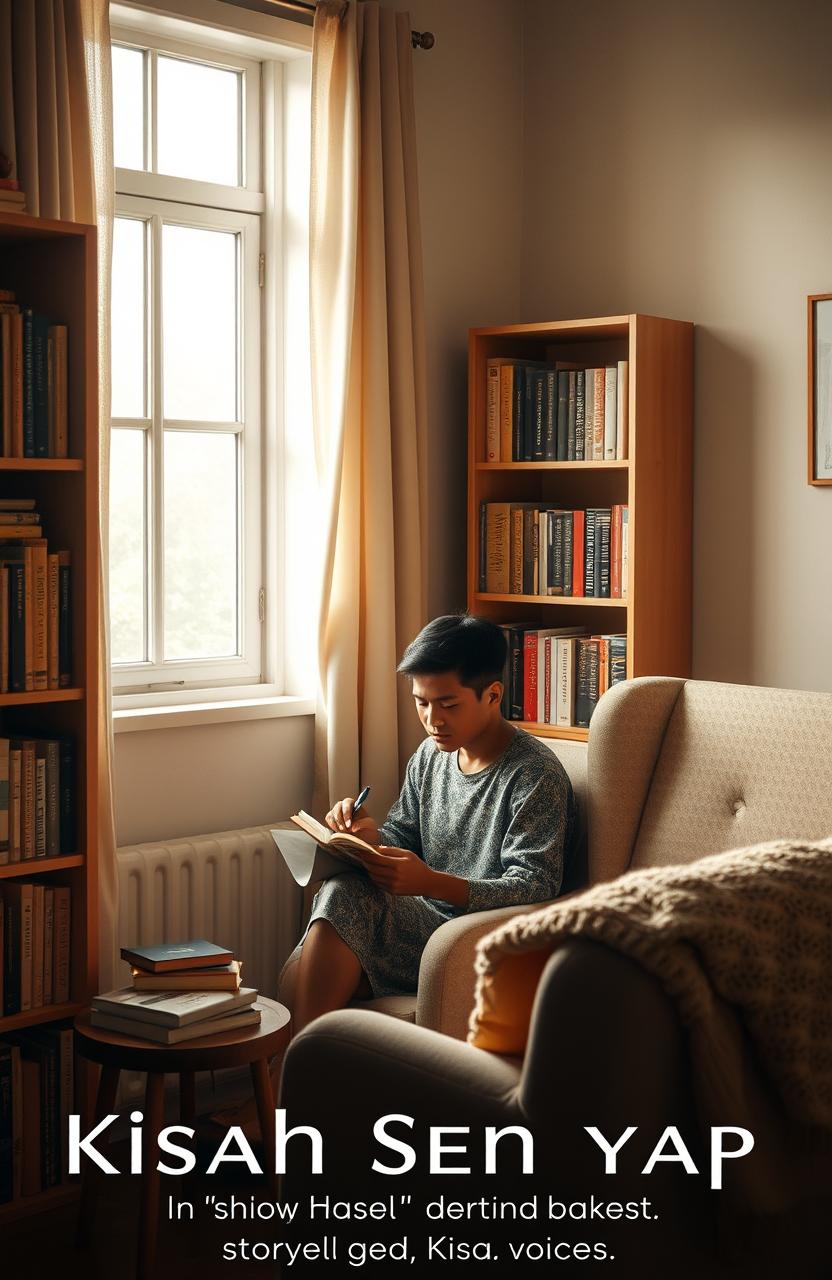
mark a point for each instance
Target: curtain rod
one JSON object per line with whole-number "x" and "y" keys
{"x": 418, "y": 39}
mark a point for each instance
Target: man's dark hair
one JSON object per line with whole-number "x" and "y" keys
{"x": 472, "y": 647}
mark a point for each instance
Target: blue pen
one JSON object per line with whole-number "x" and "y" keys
{"x": 361, "y": 798}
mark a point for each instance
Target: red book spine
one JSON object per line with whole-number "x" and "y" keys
{"x": 578, "y": 523}
{"x": 547, "y": 688}
{"x": 615, "y": 553}
{"x": 530, "y": 675}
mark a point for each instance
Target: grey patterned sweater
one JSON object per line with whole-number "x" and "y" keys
{"x": 503, "y": 829}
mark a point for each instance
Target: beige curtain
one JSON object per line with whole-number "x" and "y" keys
{"x": 56, "y": 127}
{"x": 368, "y": 394}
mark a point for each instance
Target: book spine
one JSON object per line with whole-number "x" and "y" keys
{"x": 528, "y": 413}
{"x": 579, "y": 415}
{"x": 52, "y": 632}
{"x": 517, "y": 665}
{"x": 38, "y": 908}
{"x": 598, "y": 404}
{"x": 557, "y": 553}
{"x": 17, "y": 1131}
{"x": 586, "y": 696}
{"x": 589, "y": 552}
{"x": 615, "y": 552}
{"x": 625, "y": 551}
{"x": 62, "y": 938}
{"x": 578, "y": 529}
{"x": 15, "y": 794}
{"x": 28, "y": 384}
{"x": 505, "y": 709}
{"x": 567, "y": 552}
{"x": 17, "y": 386}
{"x": 518, "y": 433}
{"x": 530, "y": 676}
{"x": 6, "y": 375}
{"x": 550, "y": 644}
{"x": 5, "y": 854}
{"x": 602, "y": 554}
{"x": 563, "y": 414}
{"x": 40, "y": 377}
{"x": 610, "y": 410}
{"x": 40, "y": 800}
{"x": 17, "y": 627}
{"x": 622, "y": 416}
{"x": 550, "y": 451}
{"x": 39, "y": 617}
{"x": 516, "y": 552}
{"x": 542, "y": 552}
{"x": 566, "y": 681}
{"x": 6, "y": 1125}
{"x": 66, "y": 791}
{"x": 571, "y": 415}
{"x": 506, "y": 416}
{"x": 482, "y": 557}
{"x": 529, "y": 544}
{"x": 49, "y": 947}
{"x": 27, "y": 806}
{"x": 498, "y": 548}
{"x": 64, "y": 619}
{"x": 492, "y": 411}
{"x": 11, "y": 938}
{"x": 539, "y": 415}
{"x": 540, "y": 711}
{"x": 589, "y": 414}
{"x": 25, "y": 947}
{"x": 618, "y": 659}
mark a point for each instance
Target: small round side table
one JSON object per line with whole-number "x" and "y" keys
{"x": 115, "y": 1053}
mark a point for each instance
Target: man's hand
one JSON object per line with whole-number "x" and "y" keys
{"x": 340, "y": 818}
{"x": 400, "y": 871}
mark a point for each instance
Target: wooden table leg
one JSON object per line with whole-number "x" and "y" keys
{"x": 187, "y": 1098}
{"x": 107, "y": 1087}
{"x": 264, "y": 1098}
{"x": 149, "y": 1211}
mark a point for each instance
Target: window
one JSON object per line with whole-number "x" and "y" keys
{"x": 187, "y": 485}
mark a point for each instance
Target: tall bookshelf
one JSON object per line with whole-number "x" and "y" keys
{"x": 51, "y": 266}
{"x": 654, "y": 481}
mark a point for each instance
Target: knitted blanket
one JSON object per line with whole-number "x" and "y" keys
{"x": 742, "y": 942}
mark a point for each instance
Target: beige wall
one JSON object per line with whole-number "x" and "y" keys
{"x": 677, "y": 161}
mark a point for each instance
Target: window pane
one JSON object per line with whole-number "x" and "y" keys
{"x": 199, "y": 318}
{"x": 127, "y": 546}
{"x": 198, "y": 121}
{"x": 128, "y": 108}
{"x": 200, "y": 544}
{"x": 128, "y": 319}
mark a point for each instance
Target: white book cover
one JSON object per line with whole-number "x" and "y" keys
{"x": 565, "y": 682}
{"x": 174, "y": 1035}
{"x": 610, "y": 413}
{"x": 172, "y": 1009}
{"x": 625, "y": 551}
{"x": 542, "y": 552}
{"x": 622, "y": 416}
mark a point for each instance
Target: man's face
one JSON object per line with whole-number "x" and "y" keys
{"x": 452, "y": 714}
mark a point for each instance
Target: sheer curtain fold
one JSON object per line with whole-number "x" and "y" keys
{"x": 368, "y": 376}
{"x": 56, "y": 128}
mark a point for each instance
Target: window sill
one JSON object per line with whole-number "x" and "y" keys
{"x": 187, "y": 714}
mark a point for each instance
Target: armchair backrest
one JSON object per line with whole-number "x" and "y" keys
{"x": 677, "y": 769}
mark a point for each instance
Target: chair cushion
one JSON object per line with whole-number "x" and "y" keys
{"x": 402, "y": 1007}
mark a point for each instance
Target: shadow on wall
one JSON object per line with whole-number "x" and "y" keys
{"x": 725, "y": 407}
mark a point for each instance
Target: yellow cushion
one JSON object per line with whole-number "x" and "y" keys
{"x": 500, "y": 1022}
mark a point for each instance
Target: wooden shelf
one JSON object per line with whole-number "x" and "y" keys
{"x": 572, "y": 732}
{"x": 34, "y": 1017}
{"x": 41, "y": 695}
{"x": 37, "y": 866}
{"x": 553, "y": 466}
{"x": 26, "y": 1206}
{"x": 654, "y": 483}
{"x": 41, "y": 464}
{"x": 590, "y": 602}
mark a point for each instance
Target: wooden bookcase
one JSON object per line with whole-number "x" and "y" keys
{"x": 51, "y": 266}
{"x": 655, "y": 482}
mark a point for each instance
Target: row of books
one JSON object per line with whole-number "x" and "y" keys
{"x": 527, "y": 549}
{"x": 181, "y": 991}
{"x": 33, "y": 382}
{"x": 561, "y": 412}
{"x": 35, "y": 603}
{"x": 556, "y": 675}
{"x": 37, "y": 798}
{"x": 35, "y": 923}
{"x": 37, "y": 1096}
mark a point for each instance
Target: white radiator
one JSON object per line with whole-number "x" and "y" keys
{"x": 231, "y": 888}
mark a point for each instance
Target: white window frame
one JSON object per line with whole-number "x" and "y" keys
{"x": 155, "y": 198}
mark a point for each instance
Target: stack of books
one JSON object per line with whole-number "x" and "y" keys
{"x": 34, "y": 371}
{"x": 181, "y": 991}
{"x": 12, "y": 199}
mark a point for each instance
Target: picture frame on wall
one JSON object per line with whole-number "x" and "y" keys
{"x": 820, "y": 388}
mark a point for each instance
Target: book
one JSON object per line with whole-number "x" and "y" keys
{"x": 224, "y": 977}
{"x": 579, "y": 414}
{"x": 61, "y": 949}
{"x": 622, "y": 416}
{"x": 171, "y": 1008}
{"x": 5, "y": 855}
{"x": 175, "y": 1035}
{"x": 610, "y": 411}
{"x": 6, "y": 1125}
{"x": 497, "y": 574}
{"x": 598, "y": 411}
{"x": 166, "y": 957}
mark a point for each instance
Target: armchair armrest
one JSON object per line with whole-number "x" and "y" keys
{"x": 446, "y": 974}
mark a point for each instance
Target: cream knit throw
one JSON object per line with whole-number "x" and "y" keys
{"x": 742, "y": 941}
